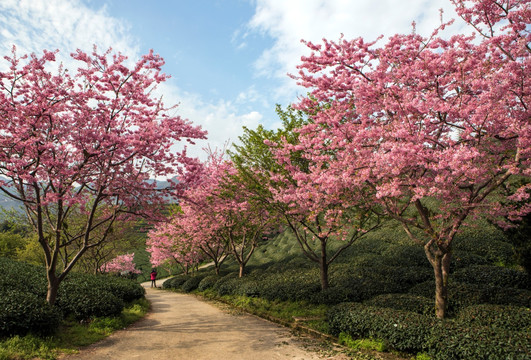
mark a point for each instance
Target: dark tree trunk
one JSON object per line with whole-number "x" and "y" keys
{"x": 441, "y": 265}
{"x": 323, "y": 266}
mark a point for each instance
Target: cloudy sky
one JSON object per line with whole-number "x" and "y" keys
{"x": 228, "y": 59}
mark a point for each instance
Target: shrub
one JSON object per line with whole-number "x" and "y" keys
{"x": 21, "y": 276}
{"x": 451, "y": 340}
{"x": 207, "y": 282}
{"x": 462, "y": 259}
{"x": 402, "y": 330}
{"x": 492, "y": 275}
{"x": 508, "y": 296}
{"x": 406, "y": 302}
{"x": 489, "y": 243}
{"x": 175, "y": 282}
{"x": 504, "y": 317}
{"x": 192, "y": 283}
{"x": 23, "y": 312}
{"x": 86, "y": 302}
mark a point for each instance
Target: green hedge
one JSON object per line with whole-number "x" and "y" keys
{"x": 80, "y": 295}
{"x": 175, "y": 282}
{"x": 86, "y": 302}
{"x": 493, "y": 276}
{"x": 505, "y": 317}
{"x": 403, "y": 330}
{"x": 23, "y": 312}
{"x": 207, "y": 282}
{"x": 407, "y": 331}
{"x": 406, "y": 302}
{"x": 192, "y": 283}
{"x": 451, "y": 340}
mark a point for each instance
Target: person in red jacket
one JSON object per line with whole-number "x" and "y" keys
{"x": 153, "y": 278}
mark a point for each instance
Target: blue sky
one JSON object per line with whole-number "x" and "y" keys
{"x": 228, "y": 59}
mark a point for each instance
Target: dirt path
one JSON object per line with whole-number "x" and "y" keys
{"x": 183, "y": 327}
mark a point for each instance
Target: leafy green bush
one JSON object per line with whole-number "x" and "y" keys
{"x": 451, "y": 340}
{"x": 402, "y": 330}
{"x": 486, "y": 241}
{"x": 227, "y": 285}
{"x": 207, "y": 282}
{"x": 21, "y": 276}
{"x": 505, "y": 317}
{"x": 175, "y": 282}
{"x": 192, "y": 283}
{"x": 22, "y": 312}
{"x": 493, "y": 276}
{"x": 406, "y": 302}
{"x": 84, "y": 302}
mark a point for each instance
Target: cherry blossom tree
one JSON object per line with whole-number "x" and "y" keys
{"x": 427, "y": 128}
{"x": 168, "y": 245}
{"x": 281, "y": 172}
{"x": 86, "y": 139}
{"x": 121, "y": 263}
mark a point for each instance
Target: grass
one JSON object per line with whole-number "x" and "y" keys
{"x": 71, "y": 336}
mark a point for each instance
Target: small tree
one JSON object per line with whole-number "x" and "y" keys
{"x": 120, "y": 264}
{"x": 87, "y": 140}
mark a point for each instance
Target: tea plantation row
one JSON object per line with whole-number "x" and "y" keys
{"x": 383, "y": 288}
{"x": 23, "y": 308}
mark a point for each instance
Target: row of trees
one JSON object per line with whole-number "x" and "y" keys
{"x": 424, "y": 131}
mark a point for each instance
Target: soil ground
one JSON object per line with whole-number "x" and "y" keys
{"x": 182, "y": 326}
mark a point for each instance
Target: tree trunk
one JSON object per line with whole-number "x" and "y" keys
{"x": 441, "y": 266}
{"x": 242, "y": 267}
{"x": 53, "y": 288}
{"x": 323, "y": 266}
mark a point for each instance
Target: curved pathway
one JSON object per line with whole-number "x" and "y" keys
{"x": 183, "y": 327}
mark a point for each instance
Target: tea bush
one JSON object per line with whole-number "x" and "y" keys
{"x": 80, "y": 295}
{"x": 207, "y": 282}
{"x": 451, "y": 340}
{"x": 23, "y": 312}
{"x": 406, "y": 302}
{"x": 493, "y": 276}
{"x": 86, "y": 302}
{"x": 506, "y": 317}
{"x": 175, "y": 282}
{"x": 402, "y": 330}
{"x": 407, "y": 331}
{"x": 192, "y": 283}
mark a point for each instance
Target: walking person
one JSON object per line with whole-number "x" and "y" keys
{"x": 153, "y": 278}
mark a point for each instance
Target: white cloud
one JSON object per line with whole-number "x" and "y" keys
{"x": 287, "y": 22}
{"x": 34, "y": 25}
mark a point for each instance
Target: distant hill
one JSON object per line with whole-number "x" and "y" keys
{"x": 8, "y": 203}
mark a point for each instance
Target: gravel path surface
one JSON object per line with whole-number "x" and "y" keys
{"x": 183, "y": 327}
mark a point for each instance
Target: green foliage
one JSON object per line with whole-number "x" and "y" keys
{"x": 402, "y": 330}
{"x": 82, "y": 296}
{"x": 406, "y": 302}
{"x": 504, "y": 317}
{"x": 23, "y": 312}
{"x": 461, "y": 339}
{"x": 451, "y": 340}
{"x": 366, "y": 344}
{"x": 192, "y": 283}
{"x": 207, "y": 282}
{"x": 70, "y": 336}
{"x": 88, "y": 302}
{"x": 485, "y": 240}
{"x": 493, "y": 276}
{"x": 175, "y": 282}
